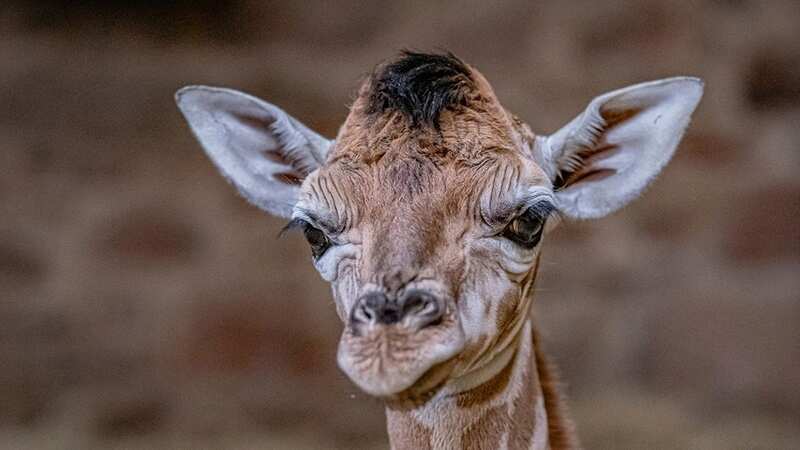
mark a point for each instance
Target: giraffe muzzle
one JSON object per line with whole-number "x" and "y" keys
{"x": 415, "y": 308}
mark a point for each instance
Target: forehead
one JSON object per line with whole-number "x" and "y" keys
{"x": 431, "y": 105}
{"x": 427, "y": 132}
{"x": 418, "y": 184}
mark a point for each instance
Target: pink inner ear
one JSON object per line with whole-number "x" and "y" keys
{"x": 605, "y": 157}
{"x": 614, "y": 115}
{"x": 276, "y": 156}
{"x": 292, "y": 178}
{"x": 583, "y": 163}
{"x": 589, "y": 175}
{"x": 584, "y": 166}
{"x": 288, "y": 176}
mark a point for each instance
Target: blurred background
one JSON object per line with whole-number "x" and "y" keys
{"x": 144, "y": 305}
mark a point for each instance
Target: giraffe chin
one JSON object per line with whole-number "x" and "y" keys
{"x": 400, "y": 364}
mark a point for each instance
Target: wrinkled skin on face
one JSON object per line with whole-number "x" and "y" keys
{"x": 422, "y": 209}
{"x": 426, "y": 213}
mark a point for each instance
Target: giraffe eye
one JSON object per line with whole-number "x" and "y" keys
{"x": 526, "y": 229}
{"x": 317, "y": 239}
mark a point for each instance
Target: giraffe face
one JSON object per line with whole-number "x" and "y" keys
{"x": 429, "y": 257}
{"x": 427, "y": 212}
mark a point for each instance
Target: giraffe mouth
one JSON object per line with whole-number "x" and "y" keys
{"x": 397, "y": 362}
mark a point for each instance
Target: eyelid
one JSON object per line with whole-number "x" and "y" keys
{"x": 293, "y": 224}
{"x": 542, "y": 205}
{"x": 316, "y": 222}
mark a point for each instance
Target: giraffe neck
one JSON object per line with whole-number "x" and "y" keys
{"x": 517, "y": 408}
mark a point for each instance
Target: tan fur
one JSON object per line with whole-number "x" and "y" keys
{"x": 523, "y": 415}
{"x": 427, "y": 215}
{"x": 413, "y": 200}
{"x": 486, "y": 391}
{"x": 487, "y": 431}
{"x": 495, "y": 412}
{"x": 414, "y": 436}
{"x": 560, "y": 428}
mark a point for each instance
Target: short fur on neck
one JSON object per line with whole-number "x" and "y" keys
{"x": 425, "y": 198}
{"x": 518, "y": 408}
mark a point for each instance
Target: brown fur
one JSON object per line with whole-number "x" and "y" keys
{"x": 415, "y": 436}
{"x": 486, "y": 432}
{"x": 484, "y": 426}
{"x": 423, "y": 186}
{"x": 426, "y": 216}
{"x": 560, "y": 428}
{"x": 487, "y": 391}
{"x": 523, "y": 418}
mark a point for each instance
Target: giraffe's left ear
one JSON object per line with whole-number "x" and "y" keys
{"x": 607, "y": 155}
{"x": 258, "y": 147}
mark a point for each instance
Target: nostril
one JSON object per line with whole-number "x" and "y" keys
{"x": 422, "y": 308}
{"x": 418, "y": 308}
{"x": 414, "y": 304}
{"x": 368, "y": 308}
{"x": 366, "y": 313}
{"x": 375, "y": 307}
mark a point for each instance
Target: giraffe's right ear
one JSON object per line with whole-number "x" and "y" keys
{"x": 258, "y": 147}
{"x": 608, "y": 154}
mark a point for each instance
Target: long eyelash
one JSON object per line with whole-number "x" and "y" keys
{"x": 542, "y": 209}
{"x": 293, "y": 224}
{"x": 310, "y": 219}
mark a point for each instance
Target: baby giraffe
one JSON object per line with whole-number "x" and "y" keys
{"x": 427, "y": 214}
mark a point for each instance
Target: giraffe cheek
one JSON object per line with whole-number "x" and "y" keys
{"x": 345, "y": 288}
{"x": 331, "y": 264}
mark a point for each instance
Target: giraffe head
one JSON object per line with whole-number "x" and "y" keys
{"x": 427, "y": 212}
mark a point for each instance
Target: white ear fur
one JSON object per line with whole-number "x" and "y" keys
{"x": 258, "y": 147}
{"x": 606, "y": 156}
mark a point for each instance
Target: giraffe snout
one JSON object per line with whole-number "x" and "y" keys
{"x": 415, "y": 308}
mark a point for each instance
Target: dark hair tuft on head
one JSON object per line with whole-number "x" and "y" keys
{"x": 421, "y": 86}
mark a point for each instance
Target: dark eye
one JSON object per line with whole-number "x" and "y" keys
{"x": 317, "y": 239}
{"x": 526, "y": 229}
